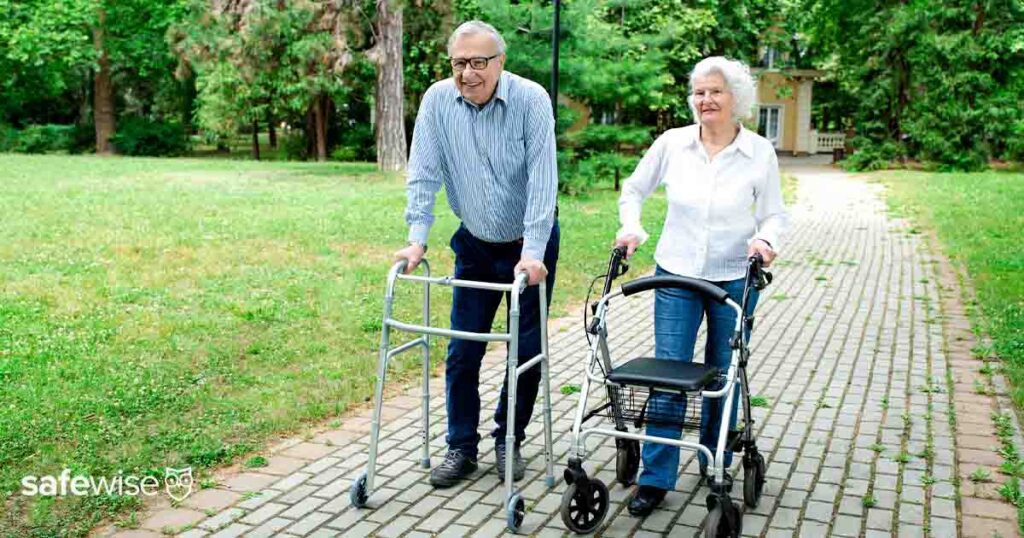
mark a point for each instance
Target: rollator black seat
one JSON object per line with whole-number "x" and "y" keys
{"x": 665, "y": 374}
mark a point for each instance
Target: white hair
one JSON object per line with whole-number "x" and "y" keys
{"x": 476, "y": 28}
{"x": 737, "y": 78}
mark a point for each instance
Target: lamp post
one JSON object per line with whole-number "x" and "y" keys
{"x": 556, "y": 31}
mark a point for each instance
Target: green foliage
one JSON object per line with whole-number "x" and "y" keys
{"x": 42, "y": 139}
{"x": 597, "y": 138}
{"x": 141, "y": 136}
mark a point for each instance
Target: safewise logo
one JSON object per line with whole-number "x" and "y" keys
{"x": 177, "y": 483}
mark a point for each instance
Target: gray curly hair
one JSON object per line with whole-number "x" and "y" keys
{"x": 737, "y": 78}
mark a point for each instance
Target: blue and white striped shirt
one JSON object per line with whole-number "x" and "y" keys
{"x": 497, "y": 163}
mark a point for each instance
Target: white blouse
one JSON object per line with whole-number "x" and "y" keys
{"x": 716, "y": 208}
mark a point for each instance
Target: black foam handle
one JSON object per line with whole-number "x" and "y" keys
{"x": 697, "y": 285}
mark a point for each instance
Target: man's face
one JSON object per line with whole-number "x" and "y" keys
{"x": 477, "y": 85}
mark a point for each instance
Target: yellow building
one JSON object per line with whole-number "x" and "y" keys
{"x": 783, "y": 110}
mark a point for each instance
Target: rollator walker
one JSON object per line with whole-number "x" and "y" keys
{"x": 515, "y": 507}
{"x": 670, "y": 392}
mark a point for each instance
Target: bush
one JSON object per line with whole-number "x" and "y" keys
{"x": 43, "y": 138}
{"x": 8, "y": 137}
{"x": 596, "y": 171}
{"x": 144, "y": 137}
{"x": 294, "y": 146}
{"x": 82, "y": 138}
{"x": 872, "y": 155}
{"x": 358, "y": 143}
{"x": 609, "y": 138}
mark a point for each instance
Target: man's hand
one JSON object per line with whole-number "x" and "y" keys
{"x": 758, "y": 246}
{"x": 534, "y": 268}
{"x": 413, "y": 254}
{"x": 630, "y": 241}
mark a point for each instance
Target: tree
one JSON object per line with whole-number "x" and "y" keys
{"x": 386, "y": 55}
{"x": 99, "y": 44}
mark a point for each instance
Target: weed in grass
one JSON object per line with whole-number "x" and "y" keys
{"x": 779, "y": 297}
{"x": 868, "y": 501}
{"x": 878, "y": 448}
{"x": 255, "y": 462}
{"x": 902, "y": 457}
{"x": 569, "y": 389}
{"x": 821, "y": 278}
{"x": 758, "y": 401}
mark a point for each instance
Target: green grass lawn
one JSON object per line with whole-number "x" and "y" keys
{"x": 978, "y": 218}
{"x": 159, "y": 312}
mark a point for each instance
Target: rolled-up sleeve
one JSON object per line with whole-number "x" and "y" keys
{"x": 644, "y": 180}
{"x": 770, "y": 208}
{"x": 425, "y": 172}
{"x": 542, "y": 178}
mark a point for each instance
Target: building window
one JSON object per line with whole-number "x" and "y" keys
{"x": 769, "y": 123}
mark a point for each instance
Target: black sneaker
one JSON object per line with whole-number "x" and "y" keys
{"x": 705, "y": 477}
{"x": 454, "y": 468}
{"x": 518, "y": 465}
{"x": 646, "y": 499}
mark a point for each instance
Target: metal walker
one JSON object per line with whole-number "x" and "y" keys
{"x": 362, "y": 488}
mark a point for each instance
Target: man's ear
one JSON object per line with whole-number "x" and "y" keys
{"x": 502, "y": 63}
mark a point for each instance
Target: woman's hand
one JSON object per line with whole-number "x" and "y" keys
{"x": 759, "y": 246}
{"x": 630, "y": 241}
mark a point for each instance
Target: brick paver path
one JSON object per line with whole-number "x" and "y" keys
{"x": 848, "y": 352}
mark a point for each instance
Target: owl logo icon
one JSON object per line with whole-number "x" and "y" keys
{"x": 178, "y": 482}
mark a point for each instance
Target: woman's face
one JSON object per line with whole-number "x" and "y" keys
{"x": 713, "y": 100}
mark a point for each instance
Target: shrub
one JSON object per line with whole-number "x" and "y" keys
{"x": 142, "y": 136}
{"x": 294, "y": 146}
{"x": 82, "y": 138}
{"x": 358, "y": 143}
{"x": 609, "y": 138}
{"x": 8, "y": 137}
{"x": 872, "y": 155}
{"x": 43, "y": 138}
{"x": 595, "y": 171}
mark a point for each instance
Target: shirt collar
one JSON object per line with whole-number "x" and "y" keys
{"x": 743, "y": 142}
{"x": 500, "y": 92}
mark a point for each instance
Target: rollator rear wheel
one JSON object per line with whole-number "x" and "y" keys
{"x": 724, "y": 521}
{"x": 627, "y": 461}
{"x": 753, "y": 478}
{"x": 584, "y": 505}
{"x": 358, "y": 494}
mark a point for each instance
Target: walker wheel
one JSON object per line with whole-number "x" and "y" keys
{"x": 584, "y": 505}
{"x": 627, "y": 461}
{"x": 515, "y": 512}
{"x": 724, "y": 521}
{"x": 358, "y": 494}
{"x": 753, "y": 478}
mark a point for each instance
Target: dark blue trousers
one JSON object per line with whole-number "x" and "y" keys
{"x": 474, "y": 310}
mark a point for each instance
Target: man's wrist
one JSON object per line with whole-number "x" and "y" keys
{"x": 417, "y": 243}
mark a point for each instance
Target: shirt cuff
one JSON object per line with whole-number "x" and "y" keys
{"x": 772, "y": 241}
{"x": 419, "y": 233}
{"x": 534, "y": 249}
{"x": 636, "y": 230}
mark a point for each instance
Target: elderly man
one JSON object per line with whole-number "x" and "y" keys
{"x": 488, "y": 136}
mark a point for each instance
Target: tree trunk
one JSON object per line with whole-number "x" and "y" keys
{"x": 320, "y": 126}
{"x": 271, "y": 129}
{"x": 103, "y": 90}
{"x": 390, "y": 115}
{"x": 188, "y": 102}
{"x": 255, "y": 140}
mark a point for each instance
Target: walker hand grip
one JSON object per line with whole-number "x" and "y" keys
{"x": 696, "y": 285}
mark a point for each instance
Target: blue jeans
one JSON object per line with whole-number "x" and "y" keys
{"x": 473, "y": 310}
{"x": 677, "y": 316}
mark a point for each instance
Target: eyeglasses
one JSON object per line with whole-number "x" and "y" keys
{"x": 714, "y": 95}
{"x": 478, "y": 63}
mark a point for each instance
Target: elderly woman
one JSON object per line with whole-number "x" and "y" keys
{"x": 724, "y": 205}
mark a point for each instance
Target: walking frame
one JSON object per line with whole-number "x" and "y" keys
{"x": 515, "y": 508}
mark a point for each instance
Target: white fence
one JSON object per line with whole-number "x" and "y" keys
{"x": 826, "y": 142}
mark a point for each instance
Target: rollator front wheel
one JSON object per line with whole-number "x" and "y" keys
{"x": 515, "y": 512}
{"x": 627, "y": 461}
{"x": 584, "y": 505}
{"x": 724, "y": 521}
{"x": 358, "y": 494}
{"x": 753, "y": 479}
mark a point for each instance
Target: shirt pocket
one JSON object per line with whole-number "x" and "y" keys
{"x": 511, "y": 157}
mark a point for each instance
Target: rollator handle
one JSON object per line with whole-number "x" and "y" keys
{"x": 756, "y": 274}
{"x": 696, "y": 285}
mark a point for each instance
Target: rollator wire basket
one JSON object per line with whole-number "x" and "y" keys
{"x": 515, "y": 506}
{"x": 651, "y": 390}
